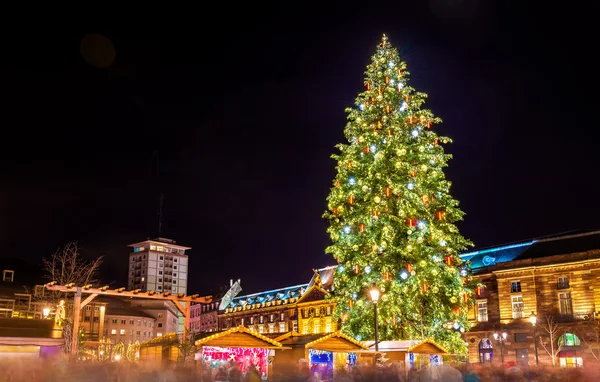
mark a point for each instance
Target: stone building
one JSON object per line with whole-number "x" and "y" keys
{"x": 553, "y": 281}
{"x": 299, "y": 308}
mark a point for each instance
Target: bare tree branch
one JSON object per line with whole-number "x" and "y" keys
{"x": 66, "y": 266}
{"x": 549, "y": 342}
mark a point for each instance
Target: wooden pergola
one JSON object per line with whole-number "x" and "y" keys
{"x": 181, "y": 301}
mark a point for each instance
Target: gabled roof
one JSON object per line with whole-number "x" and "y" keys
{"x": 427, "y": 347}
{"x": 560, "y": 244}
{"x": 336, "y": 342}
{"x": 238, "y": 337}
{"x": 268, "y": 298}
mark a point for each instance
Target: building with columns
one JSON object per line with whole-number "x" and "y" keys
{"x": 553, "y": 281}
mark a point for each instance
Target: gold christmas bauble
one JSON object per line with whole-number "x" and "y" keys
{"x": 401, "y": 152}
{"x": 377, "y": 199}
{"x": 380, "y": 98}
{"x": 435, "y": 289}
{"x": 453, "y": 300}
{"x": 424, "y": 168}
{"x": 365, "y": 188}
{"x": 361, "y": 139}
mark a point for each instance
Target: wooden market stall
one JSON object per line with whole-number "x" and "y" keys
{"x": 160, "y": 350}
{"x": 239, "y": 344}
{"x": 425, "y": 353}
{"x": 324, "y": 353}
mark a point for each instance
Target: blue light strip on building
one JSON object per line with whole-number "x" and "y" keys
{"x": 497, "y": 249}
{"x": 271, "y": 291}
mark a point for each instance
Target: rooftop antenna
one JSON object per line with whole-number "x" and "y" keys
{"x": 161, "y": 197}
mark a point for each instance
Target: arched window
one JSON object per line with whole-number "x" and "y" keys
{"x": 485, "y": 351}
{"x": 568, "y": 339}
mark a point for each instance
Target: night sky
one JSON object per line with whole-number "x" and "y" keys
{"x": 233, "y": 118}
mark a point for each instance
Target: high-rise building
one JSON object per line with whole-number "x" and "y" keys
{"x": 158, "y": 265}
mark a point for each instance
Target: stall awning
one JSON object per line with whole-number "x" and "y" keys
{"x": 238, "y": 337}
{"x": 427, "y": 347}
{"x": 336, "y": 342}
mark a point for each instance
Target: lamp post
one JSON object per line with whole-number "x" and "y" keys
{"x": 533, "y": 320}
{"x": 375, "y": 297}
{"x": 501, "y": 337}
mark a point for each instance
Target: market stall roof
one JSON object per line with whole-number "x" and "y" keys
{"x": 238, "y": 337}
{"x": 427, "y": 347}
{"x": 167, "y": 339}
{"x": 336, "y": 342}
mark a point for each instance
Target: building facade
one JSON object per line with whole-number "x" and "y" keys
{"x": 124, "y": 323}
{"x": 553, "y": 282}
{"x": 299, "y": 309}
{"x": 158, "y": 265}
{"x": 204, "y": 317}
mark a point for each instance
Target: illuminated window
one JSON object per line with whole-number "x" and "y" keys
{"x": 122, "y": 331}
{"x": 271, "y": 328}
{"x": 113, "y": 331}
{"x": 317, "y": 328}
{"x": 281, "y": 327}
{"x": 569, "y": 339}
{"x": 517, "y": 306}
{"x": 328, "y": 327}
{"x": 566, "y": 305}
{"x": 482, "y": 311}
{"x": 295, "y": 326}
{"x": 329, "y": 310}
{"x": 261, "y": 329}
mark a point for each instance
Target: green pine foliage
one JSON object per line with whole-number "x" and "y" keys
{"x": 392, "y": 218}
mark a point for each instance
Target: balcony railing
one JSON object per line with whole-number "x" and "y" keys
{"x": 563, "y": 318}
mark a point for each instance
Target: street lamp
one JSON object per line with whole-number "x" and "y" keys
{"x": 375, "y": 297}
{"x": 46, "y": 312}
{"x": 501, "y": 337}
{"x": 533, "y": 320}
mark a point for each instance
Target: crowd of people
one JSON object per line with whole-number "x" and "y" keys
{"x": 37, "y": 370}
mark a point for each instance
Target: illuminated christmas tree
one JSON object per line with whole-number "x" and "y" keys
{"x": 391, "y": 216}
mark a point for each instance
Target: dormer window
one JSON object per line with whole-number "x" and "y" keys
{"x": 8, "y": 276}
